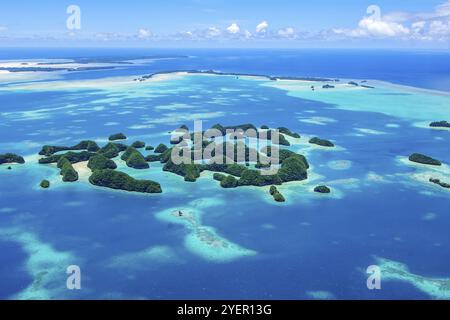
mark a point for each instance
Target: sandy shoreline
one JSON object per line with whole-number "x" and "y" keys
{"x": 83, "y": 171}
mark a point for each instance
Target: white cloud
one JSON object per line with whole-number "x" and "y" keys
{"x": 247, "y": 34}
{"x": 144, "y": 34}
{"x": 443, "y": 10}
{"x": 213, "y": 32}
{"x": 378, "y": 26}
{"x": 439, "y": 28}
{"x": 382, "y": 28}
{"x": 288, "y": 32}
{"x": 3, "y": 28}
{"x": 262, "y": 27}
{"x": 233, "y": 29}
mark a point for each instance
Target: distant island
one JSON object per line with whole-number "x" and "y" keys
{"x": 423, "y": 159}
{"x": 219, "y": 73}
{"x": 321, "y": 142}
{"x": 322, "y": 189}
{"x": 440, "y": 124}
{"x": 11, "y": 158}
{"x": 440, "y": 183}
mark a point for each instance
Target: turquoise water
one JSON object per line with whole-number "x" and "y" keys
{"x": 312, "y": 247}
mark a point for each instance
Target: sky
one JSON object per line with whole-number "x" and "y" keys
{"x": 226, "y": 23}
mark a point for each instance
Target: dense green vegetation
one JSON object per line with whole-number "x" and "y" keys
{"x": 121, "y": 181}
{"x": 100, "y": 162}
{"x": 288, "y": 132}
{"x": 277, "y": 196}
{"x": 232, "y": 173}
{"x": 283, "y": 141}
{"x": 161, "y": 148}
{"x": 149, "y": 148}
{"x": 45, "y": 184}
{"x": 219, "y": 176}
{"x": 229, "y": 182}
{"x": 112, "y": 150}
{"x": 322, "y": 189}
{"x": 73, "y": 157}
{"x": 190, "y": 172}
{"x": 88, "y": 145}
{"x": 68, "y": 173}
{"x": 117, "y": 136}
{"x": 138, "y": 144}
{"x": 321, "y": 142}
{"x": 423, "y": 159}
{"x": 134, "y": 159}
{"x": 153, "y": 158}
{"x": 11, "y": 158}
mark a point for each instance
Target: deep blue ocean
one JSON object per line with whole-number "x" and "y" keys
{"x": 312, "y": 247}
{"x": 417, "y": 68}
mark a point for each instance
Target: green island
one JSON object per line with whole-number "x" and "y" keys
{"x": 117, "y": 136}
{"x": 112, "y": 150}
{"x": 45, "y": 184}
{"x": 247, "y": 170}
{"x": 322, "y": 189}
{"x": 423, "y": 159}
{"x": 72, "y": 157}
{"x": 321, "y": 142}
{"x": 11, "y": 158}
{"x": 138, "y": 144}
{"x": 100, "y": 162}
{"x": 134, "y": 159}
{"x": 293, "y": 166}
{"x": 88, "y": 145}
{"x": 121, "y": 181}
{"x": 440, "y": 183}
{"x": 277, "y": 196}
{"x": 288, "y": 132}
{"x": 440, "y": 124}
{"x": 68, "y": 173}
{"x": 161, "y": 148}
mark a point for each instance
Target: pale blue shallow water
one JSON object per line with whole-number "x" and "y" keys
{"x": 310, "y": 244}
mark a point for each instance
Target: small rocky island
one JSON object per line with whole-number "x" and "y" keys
{"x": 11, "y": 158}
{"x": 117, "y": 136}
{"x": 45, "y": 184}
{"x": 440, "y": 124}
{"x": 321, "y": 142}
{"x": 322, "y": 189}
{"x": 440, "y": 183}
{"x": 423, "y": 159}
{"x": 277, "y": 196}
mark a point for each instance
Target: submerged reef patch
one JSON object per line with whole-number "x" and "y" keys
{"x": 203, "y": 240}
{"x": 436, "y": 288}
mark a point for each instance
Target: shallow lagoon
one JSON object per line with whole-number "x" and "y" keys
{"x": 314, "y": 246}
